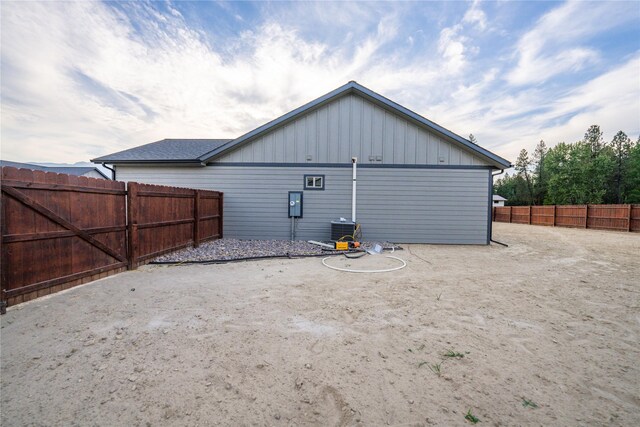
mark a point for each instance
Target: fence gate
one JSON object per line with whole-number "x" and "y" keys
{"x": 58, "y": 231}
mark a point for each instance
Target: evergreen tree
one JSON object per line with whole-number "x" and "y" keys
{"x": 593, "y": 138}
{"x": 540, "y": 176}
{"x": 513, "y": 188}
{"x": 621, "y": 146}
{"x": 587, "y": 171}
{"x": 522, "y": 167}
{"x": 631, "y": 188}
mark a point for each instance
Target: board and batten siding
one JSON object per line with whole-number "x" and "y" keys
{"x": 351, "y": 126}
{"x": 401, "y": 205}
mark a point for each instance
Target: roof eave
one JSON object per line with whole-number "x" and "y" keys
{"x": 162, "y": 161}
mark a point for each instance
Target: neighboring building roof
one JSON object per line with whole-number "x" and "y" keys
{"x": 354, "y": 87}
{"x": 497, "y": 198}
{"x": 69, "y": 170}
{"x": 205, "y": 150}
{"x": 165, "y": 151}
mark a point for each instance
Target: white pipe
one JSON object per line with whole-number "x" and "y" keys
{"x": 354, "y": 162}
{"x": 325, "y": 245}
{"x": 351, "y": 270}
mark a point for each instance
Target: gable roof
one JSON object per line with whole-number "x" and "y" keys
{"x": 202, "y": 151}
{"x": 166, "y": 150}
{"x": 69, "y": 170}
{"x": 355, "y": 88}
{"x": 497, "y": 198}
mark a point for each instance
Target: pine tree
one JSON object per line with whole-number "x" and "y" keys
{"x": 522, "y": 166}
{"x": 632, "y": 175}
{"x": 593, "y": 138}
{"x": 621, "y": 145}
{"x": 540, "y": 176}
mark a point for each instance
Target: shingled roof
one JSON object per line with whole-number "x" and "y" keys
{"x": 166, "y": 150}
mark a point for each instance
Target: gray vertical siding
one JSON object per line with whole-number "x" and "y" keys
{"x": 351, "y": 126}
{"x": 395, "y": 204}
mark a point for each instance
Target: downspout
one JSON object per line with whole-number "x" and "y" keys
{"x": 113, "y": 171}
{"x": 354, "y": 162}
{"x": 491, "y": 202}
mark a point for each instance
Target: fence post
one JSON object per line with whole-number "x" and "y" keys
{"x": 586, "y": 215}
{"x": 132, "y": 228}
{"x": 529, "y": 214}
{"x": 196, "y": 218}
{"x": 221, "y": 214}
{"x": 554, "y": 215}
{"x": 629, "y": 218}
{"x": 510, "y": 207}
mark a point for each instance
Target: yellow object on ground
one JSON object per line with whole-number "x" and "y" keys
{"x": 342, "y": 246}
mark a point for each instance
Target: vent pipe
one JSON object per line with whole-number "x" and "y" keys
{"x": 354, "y": 162}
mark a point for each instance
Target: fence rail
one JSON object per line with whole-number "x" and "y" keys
{"x": 601, "y": 217}
{"x": 60, "y": 231}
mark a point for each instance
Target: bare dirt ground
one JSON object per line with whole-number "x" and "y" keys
{"x": 553, "y": 319}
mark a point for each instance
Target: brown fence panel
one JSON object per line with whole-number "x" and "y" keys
{"x": 520, "y": 214}
{"x": 602, "y": 217}
{"x": 502, "y": 214}
{"x": 58, "y": 231}
{"x": 542, "y": 215}
{"x": 634, "y": 218}
{"x": 210, "y": 208}
{"x": 164, "y": 219}
{"x": 609, "y": 217}
{"x": 571, "y": 216}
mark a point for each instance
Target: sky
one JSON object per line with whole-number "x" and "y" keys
{"x": 84, "y": 79}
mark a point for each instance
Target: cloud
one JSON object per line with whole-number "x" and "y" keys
{"x": 84, "y": 79}
{"x": 516, "y": 121}
{"x": 455, "y": 45}
{"x": 557, "y": 42}
{"x": 475, "y": 16}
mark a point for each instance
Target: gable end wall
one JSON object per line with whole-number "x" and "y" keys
{"x": 347, "y": 127}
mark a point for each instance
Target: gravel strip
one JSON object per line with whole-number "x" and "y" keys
{"x": 233, "y": 249}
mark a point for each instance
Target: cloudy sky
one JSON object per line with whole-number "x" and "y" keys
{"x": 80, "y": 80}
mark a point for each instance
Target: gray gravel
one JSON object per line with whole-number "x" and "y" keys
{"x": 233, "y": 249}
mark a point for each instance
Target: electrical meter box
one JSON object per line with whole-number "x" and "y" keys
{"x": 295, "y": 204}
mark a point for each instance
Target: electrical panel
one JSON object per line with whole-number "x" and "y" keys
{"x": 295, "y": 204}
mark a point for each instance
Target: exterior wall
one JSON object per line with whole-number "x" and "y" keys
{"x": 351, "y": 126}
{"x": 403, "y": 205}
{"x": 498, "y": 203}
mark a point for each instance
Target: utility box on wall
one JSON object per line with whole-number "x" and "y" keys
{"x": 295, "y": 204}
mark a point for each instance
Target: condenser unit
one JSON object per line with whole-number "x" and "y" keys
{"x": 342, "y": 230}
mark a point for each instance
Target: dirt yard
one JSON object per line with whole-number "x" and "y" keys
{"x": 554, "y": 319}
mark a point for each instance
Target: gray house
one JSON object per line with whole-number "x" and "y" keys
{"x": 416, "y": 181}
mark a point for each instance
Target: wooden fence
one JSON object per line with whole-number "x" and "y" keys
{"x": 602, "y": 217}
{"x": 59, "y": 231}
{"x": 164, "y": 219}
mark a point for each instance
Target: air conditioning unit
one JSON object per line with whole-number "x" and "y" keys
{"x": 342, "y": 230}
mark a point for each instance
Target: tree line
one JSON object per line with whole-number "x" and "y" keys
{"x": 590, "y": 171}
